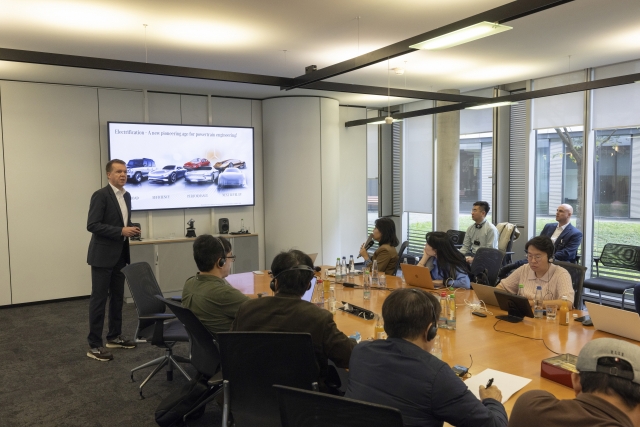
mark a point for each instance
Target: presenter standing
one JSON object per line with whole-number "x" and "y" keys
{"x": 109, "y": 221}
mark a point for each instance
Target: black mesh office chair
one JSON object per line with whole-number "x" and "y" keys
{"x": 154, "y": 324}
{"x": 313, "y": 409}
{"x": 205, "y": 356}
{"x": 485, "y": 266}
{"x": 576, "y": 271}
{"x": 457, "y": 237}
{"x": 252, "y": 362}
{"x": 403, "y": 247}
{"x": 617, "y": 256}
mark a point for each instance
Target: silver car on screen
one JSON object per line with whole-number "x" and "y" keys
{"x": 201, "y": 174}
{"x": 232, "y": 177}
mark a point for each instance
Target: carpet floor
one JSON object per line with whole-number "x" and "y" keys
{"x": 46, "y": 379}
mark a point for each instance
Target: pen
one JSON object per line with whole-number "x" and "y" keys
{"x": 489, "y": 383}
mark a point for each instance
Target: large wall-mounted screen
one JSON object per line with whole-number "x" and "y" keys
{"x": 178, "y": 166}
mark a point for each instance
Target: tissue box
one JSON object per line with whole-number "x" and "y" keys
{"x": 559, "y": 368}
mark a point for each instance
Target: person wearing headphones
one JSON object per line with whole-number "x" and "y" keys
{"x": 386, "y": 255}
{"x": 446, "y": 263}
{"x": 554, "y": 280}
{"x": 207, "y": 294}
{"x": 402, "y": 373}
{"x": 482, "y": 234}
{"x": 286, "y": 311}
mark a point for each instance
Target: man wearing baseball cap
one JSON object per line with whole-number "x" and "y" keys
{"x": 607, "y": 388}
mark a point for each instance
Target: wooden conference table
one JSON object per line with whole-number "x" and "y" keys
{"x": 474, "y": 336}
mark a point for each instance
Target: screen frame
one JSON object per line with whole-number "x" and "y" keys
{"x": 253, "y": 160}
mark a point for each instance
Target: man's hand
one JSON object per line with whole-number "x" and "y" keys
{"x": 492, "y": 392}
{"x": 130, "y": 231}
{"x": 469, "y": 259}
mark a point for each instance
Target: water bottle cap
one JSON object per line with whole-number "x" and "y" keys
{"x": 538, "y": 288}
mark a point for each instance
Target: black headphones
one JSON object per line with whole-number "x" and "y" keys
{"x": 479, "y": 225}
{"x": 302, "y": 267}
{"x": 223, "y": 260}
{"x": 433, "y": 330}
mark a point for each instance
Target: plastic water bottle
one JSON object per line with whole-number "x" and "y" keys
{"x": 521, "y": 290}
{"x": 332, "y": 301}
{"x": 374, "y": 274}
{"x": 444, "y": 308}
{"x": 352, "y": 269}
{"x": 345, "y": 270}
{"x": 366, "y": 281}
{"x": 538, "y": 310}
{"x": 451, "y": 314}
{"x": 338, "y": 271}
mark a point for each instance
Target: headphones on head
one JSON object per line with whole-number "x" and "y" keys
{"x": 221, "y": 261}
{"x": 433, "y": 330}
{"x": 302, "y": 267}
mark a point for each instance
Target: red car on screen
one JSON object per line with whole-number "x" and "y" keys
{"x": 196, "y": 163}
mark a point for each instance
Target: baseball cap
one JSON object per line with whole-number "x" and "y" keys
{"x": 610, "y": 347}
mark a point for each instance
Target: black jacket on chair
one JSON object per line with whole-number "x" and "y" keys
{"x": 105, "y": 223}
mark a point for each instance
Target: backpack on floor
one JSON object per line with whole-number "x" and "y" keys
{"x": 173, "y": 407}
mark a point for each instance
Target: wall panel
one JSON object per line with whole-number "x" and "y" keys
{"x": 331, "y": 179}
{"x": 47, "y": 210}
{"x": 5, "y": 276}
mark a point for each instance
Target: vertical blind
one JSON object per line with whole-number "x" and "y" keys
{"x": 396, "y": 135}
{"x": 517, "y": 158}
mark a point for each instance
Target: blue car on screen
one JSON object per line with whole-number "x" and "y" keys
{"x": 168, "y": 174}
{"x": 232, "y": 177}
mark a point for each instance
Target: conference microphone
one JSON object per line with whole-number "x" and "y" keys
{"x": 368, "y": 243}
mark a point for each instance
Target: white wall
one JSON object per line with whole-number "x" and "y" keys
{"x": 52, "y": 161}
{"x": 5, "y": 276}
{"x": 331, "y": 179}
{"x": 55, "y": 149}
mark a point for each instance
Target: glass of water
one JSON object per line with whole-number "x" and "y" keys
{"x": 552, "y": 309}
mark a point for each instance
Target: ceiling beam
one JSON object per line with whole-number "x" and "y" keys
{"x": 56, "y": 59}
{"x": 523, "y": 96}
{"x": 500, "y": 14}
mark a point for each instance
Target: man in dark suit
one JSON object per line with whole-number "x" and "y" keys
{"x": 565, "y": 237}
{"x": 109, "y": 221}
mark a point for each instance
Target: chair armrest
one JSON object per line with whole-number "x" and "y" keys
{"x": 597, "y": 260}
{"x": 158, "y": 316}
{"x": 509, "y": 253}
{"x": 176, "y": 298}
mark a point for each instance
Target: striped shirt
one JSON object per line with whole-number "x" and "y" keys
{"x": 555, "y": 283}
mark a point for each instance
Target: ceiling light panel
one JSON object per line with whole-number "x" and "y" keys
{"x": 464, "y": 35}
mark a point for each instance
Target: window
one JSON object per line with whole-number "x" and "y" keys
{"x": 558, "y": 173}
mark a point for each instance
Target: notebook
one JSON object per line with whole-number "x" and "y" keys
{"x": 485, "y": 293}
{"x": 418, "y": 276}
{"x": 307, "y": 295}
{"x": 615, "y": 321}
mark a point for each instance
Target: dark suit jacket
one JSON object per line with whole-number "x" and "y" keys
{"x": 289, "y": 313}
{"x": 105, "y": 222}
{"x": 567, "y": 243}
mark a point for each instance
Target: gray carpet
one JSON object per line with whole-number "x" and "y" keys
{"x": 46, "y": 379}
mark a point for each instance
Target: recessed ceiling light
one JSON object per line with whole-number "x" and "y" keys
{"x": 398, "y": 70}
{"x": 383, "y": 121}
{"x": 494, "y": 105}
{"x": 464, "y": 35}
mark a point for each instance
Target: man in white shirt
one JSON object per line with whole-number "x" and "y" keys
{"x": 482, "y": 234}
{"x": 109, "y": 222}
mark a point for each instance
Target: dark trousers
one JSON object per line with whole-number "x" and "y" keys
{"x": 106, "y": 283}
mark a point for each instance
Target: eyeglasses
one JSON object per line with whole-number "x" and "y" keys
{"x": 535, "y": 257}
{"x": 232, "y": 258}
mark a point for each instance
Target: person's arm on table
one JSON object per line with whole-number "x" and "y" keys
{"x": 337, "y": 346}
{"x": 461, "y": 280}
{"x": 510, "y": 283}
{"x": 454, "y": 403}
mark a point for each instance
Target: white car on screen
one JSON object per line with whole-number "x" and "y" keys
{"x": 232, "y": 177}
{"x": 201, "y": 174}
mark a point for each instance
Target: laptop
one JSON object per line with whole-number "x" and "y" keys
{"x": 309, "y": 294}
{"x": 416, "y": 275}
{"x": 615, "y": 321}
{"x": 485, "y": 293}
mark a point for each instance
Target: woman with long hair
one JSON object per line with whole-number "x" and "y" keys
{"x": 386, "y": 255}
{"x": 446, "y": 263}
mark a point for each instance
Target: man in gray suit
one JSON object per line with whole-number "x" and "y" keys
{"x": 109, "y": 221}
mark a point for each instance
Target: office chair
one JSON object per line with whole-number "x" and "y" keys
{"x": 507, "y": 233}
{"x": 252, "y": 362}
{"x": 618, "y": 257}
{"x": 403, "y": 247}
{"x": 154, "y": 324}
{"x": 205, "y": 356}
{"x": 576, "y": 271}
{"x": 312, "y": 409}
{"x": 486, "y": 265}
{"x": 457, "y": 237}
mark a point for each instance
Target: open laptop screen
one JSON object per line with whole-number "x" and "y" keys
{"x": 307, "y": 295}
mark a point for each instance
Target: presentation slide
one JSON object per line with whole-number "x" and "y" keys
{"x": 177, "y": 166}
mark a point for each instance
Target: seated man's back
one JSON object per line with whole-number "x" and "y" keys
{"x": 208, "y": 295}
